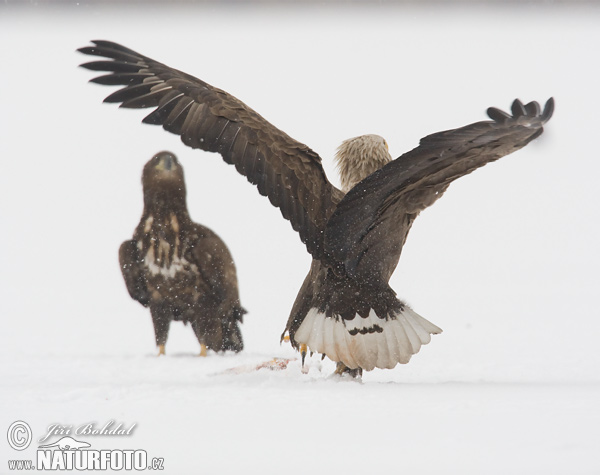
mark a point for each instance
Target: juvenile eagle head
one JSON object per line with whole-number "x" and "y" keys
{"x": 360, "y": 156}
{"x": 163, "y": 182}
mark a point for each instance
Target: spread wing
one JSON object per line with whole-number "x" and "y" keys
{"x": 133, "y": 272}
{"x": 368, "y": 229}
{"x": 289, "y": 173}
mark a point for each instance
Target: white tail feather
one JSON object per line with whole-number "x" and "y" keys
{"x": 404, "y": 346}
{"x": 423, "y": 335}
{"x": 383, "y": 352}
{"x": 426, "y": 324}
{"x": 308, "y": 325}
{"x": 366, "y": 342}
{"x": 345, "y": 342}
{"x": 329, "y": 340}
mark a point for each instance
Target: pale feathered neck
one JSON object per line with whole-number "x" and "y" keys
{"x": 358, "y": 157}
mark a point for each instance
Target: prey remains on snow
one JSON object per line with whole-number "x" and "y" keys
{"x": 180, "y": 269}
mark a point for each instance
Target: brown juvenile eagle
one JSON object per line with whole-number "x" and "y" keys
{"x": 178, "y": 268}
{"x": 345, "y": 308}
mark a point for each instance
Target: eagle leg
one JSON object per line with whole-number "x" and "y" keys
{"x": 161, "y": 321}
{"x": 203, "y": 351}
{"x": 303, "y": 352}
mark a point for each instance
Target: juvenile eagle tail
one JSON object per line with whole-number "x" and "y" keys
{"x": 366, "y": 342}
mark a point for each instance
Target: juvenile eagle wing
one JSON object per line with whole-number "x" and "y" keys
{"x": 133, "y": 272}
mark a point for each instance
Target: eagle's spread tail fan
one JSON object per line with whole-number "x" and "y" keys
{"x": 366, "y": 343}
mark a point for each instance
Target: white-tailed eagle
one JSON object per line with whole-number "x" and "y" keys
{"x": 180, "y": 269}
{"x": 345, "y": 308}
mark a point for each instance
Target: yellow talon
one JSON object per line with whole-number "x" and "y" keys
{"x": 161, "y": 350}
{"x": 203, "y": 351}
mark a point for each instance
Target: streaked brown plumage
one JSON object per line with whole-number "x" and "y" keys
{"x": 345, "y": 308}
{"x": 180, "y": 269}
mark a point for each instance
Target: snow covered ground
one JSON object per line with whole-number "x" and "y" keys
{"x": 506, "y": 263}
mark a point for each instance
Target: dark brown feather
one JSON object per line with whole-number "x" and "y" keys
{"x": 121, "y": 79}
{"x": 133, "y": 272}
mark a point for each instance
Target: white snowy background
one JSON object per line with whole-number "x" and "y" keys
{"x": 507, "y": 262}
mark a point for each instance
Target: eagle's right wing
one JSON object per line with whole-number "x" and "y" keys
{"x": 133, "y": 272}
{"x": 366, "y": 233}
{"x": 286, "y": 171}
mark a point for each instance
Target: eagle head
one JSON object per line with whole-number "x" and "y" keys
{"x": 163, "y": 180}
{"x": 360, "y": 156}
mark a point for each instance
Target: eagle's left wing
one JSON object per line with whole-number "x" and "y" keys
{"x": 366, "y": 233}
{"x": 133, "y": 272}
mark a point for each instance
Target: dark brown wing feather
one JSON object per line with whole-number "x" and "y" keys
{"x": 289, "y": 173}
{"x": 133, "y": 272}
{"x": 368, "y": 229}
{"x": 218, "y": 273}
{"x": 216, "y": 267}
